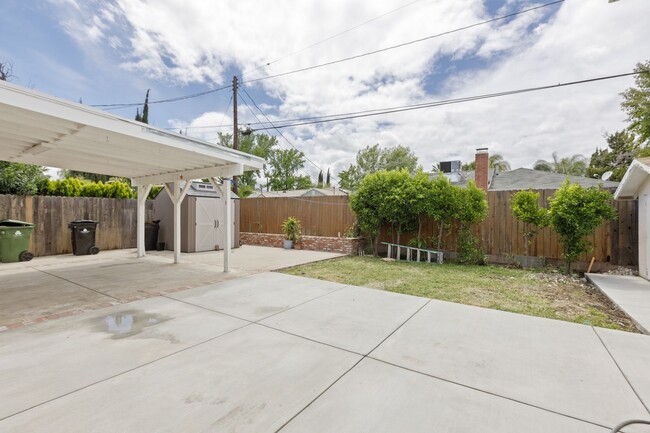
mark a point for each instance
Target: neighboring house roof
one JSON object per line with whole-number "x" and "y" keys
{"x": 634, "y": 177}
{"x": 460, "y": 178}
{"x": 311, "y": 192}
{"x": 526, "y": 178}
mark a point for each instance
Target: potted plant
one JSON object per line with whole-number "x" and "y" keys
{"x": 291, "y": 230}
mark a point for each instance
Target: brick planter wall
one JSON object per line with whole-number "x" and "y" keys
{"x": 350, "y": 246}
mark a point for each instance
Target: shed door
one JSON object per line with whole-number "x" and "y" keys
{"x": 207, "y": 224}
{"x": 221, "y": 226}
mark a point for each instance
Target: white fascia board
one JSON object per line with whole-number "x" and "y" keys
{"x": 104, "y": 125}
{"x": 228, "y": 170}
{"x": 632, "y": 180}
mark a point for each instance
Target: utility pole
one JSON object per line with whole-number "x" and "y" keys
{"x": 235, "y": 133}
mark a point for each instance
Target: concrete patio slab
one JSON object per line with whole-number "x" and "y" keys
{"x": 354, "y": 318}
{"x": 42, "y": 362}
{"x": 630, "y": 293}
{"x": 30, "y": 293}
{"x": 632, "y": 354}
{"x": 377, "y": 397}
{"x": 256, "y": 297}
{"x": 49, "y": 287}
{"x": 554, "y": 365}
{"x": 251, "y": 380}
{"x": 140, "y": 277}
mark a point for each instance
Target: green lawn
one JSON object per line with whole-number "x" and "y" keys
{"x": 540, "y": 294}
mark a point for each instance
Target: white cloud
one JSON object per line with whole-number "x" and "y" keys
{"x": 197, "y": 42}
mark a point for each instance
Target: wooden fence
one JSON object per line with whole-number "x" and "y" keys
{"x": 319, "y": 216}
{"x": 615, "y": 242}
{"x": 116, "y": 220}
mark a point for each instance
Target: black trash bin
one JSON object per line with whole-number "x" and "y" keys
{"x": 151, "y": 235}
{"x": 83, "y": 237}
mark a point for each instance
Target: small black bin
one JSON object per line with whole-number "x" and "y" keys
{"x": 83, "y": 237}
{"x": 151, "y": 235}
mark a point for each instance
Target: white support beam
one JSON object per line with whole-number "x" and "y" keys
{"x": 226, "y": 252}
{"x": 143, "y": 192}
{"x": 226, "y": 170}
{"x": 177, "y": 194}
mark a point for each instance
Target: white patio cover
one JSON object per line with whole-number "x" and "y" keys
{"x": 37, "y": 128}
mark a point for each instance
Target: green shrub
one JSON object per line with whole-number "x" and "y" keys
{"x": 525, "y": 207}
{"x": 576, "y": 212}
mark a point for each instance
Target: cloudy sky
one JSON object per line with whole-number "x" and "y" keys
{"x": 112, "y": 51}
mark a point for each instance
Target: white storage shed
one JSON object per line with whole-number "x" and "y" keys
{"x": 203, "y": 219}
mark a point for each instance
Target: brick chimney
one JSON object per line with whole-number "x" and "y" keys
{"x": 481, "y": 167}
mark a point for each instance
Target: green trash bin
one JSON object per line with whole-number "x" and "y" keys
{"x": 14, "y": 241}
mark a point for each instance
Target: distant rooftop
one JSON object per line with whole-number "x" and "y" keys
{"x": 311, "y": 192}
{"x": 525, "y": 178}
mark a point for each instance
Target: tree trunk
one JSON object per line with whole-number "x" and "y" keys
{"x": 399, "y": 233}
{"x": 419, "y": 230}
{"x": 376, "y": 249}
{"x": 440, "y": 234}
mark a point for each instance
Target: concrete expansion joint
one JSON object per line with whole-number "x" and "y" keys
{"x": 611, "y": 355}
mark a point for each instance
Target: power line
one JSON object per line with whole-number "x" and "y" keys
{"x": 258, "y": 119}
{"x": 160, "y": 101}
{"x": 333, "y": 36}
{"x": 225, "y": 112}
{"x": 281, "y": 134}
{"x": 287, "y": 123}
{"x": 377, "y": 112}
{"x": 415, "y": 41}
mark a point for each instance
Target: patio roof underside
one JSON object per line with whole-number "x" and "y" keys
{"x": 39, "y": 129}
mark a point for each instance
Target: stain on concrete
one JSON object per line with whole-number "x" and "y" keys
{"x": 129, "y": 323}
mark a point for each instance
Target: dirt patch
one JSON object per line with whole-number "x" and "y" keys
{"x": 571, "y": 296}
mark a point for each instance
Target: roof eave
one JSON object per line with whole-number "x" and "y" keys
{"x": 632, "y": 180}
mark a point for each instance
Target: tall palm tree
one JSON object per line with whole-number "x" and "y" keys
{"x": 496, "y": 161}
{"x": 575, "y": 165}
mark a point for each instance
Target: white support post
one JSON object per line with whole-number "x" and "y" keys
{"x": 227, "y": 249}
{"x": 143, "y": 192}
{"x": 177, "y": 195}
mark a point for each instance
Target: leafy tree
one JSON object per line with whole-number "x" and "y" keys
{"x": 394, "y": 207}
{"x": 303, "y": 182}
{"x": 22, "y": 179}
{"x": 372, "y": 159}
{"x": 472, "y": 208}
{"x": 575, "y": 212}
{"x": 86, "y": 175}
{"x": 495, "y": 160}
{"x": 442, "y": 204}
{"x": 365, "y": 204}
{"x": 320, "y": 180}
{"x": 261, "y": 145}
{"x": 420, "y": 195}
{"x": 636, "y": 102}
{"x": 284, "y": 165}
{"x": 622, "y": 149}
{"x": 575, "y": 165}
{"x": 327, "y": 182}
{"x": 399, "y": 158}
{"x": 525, "y": 207}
